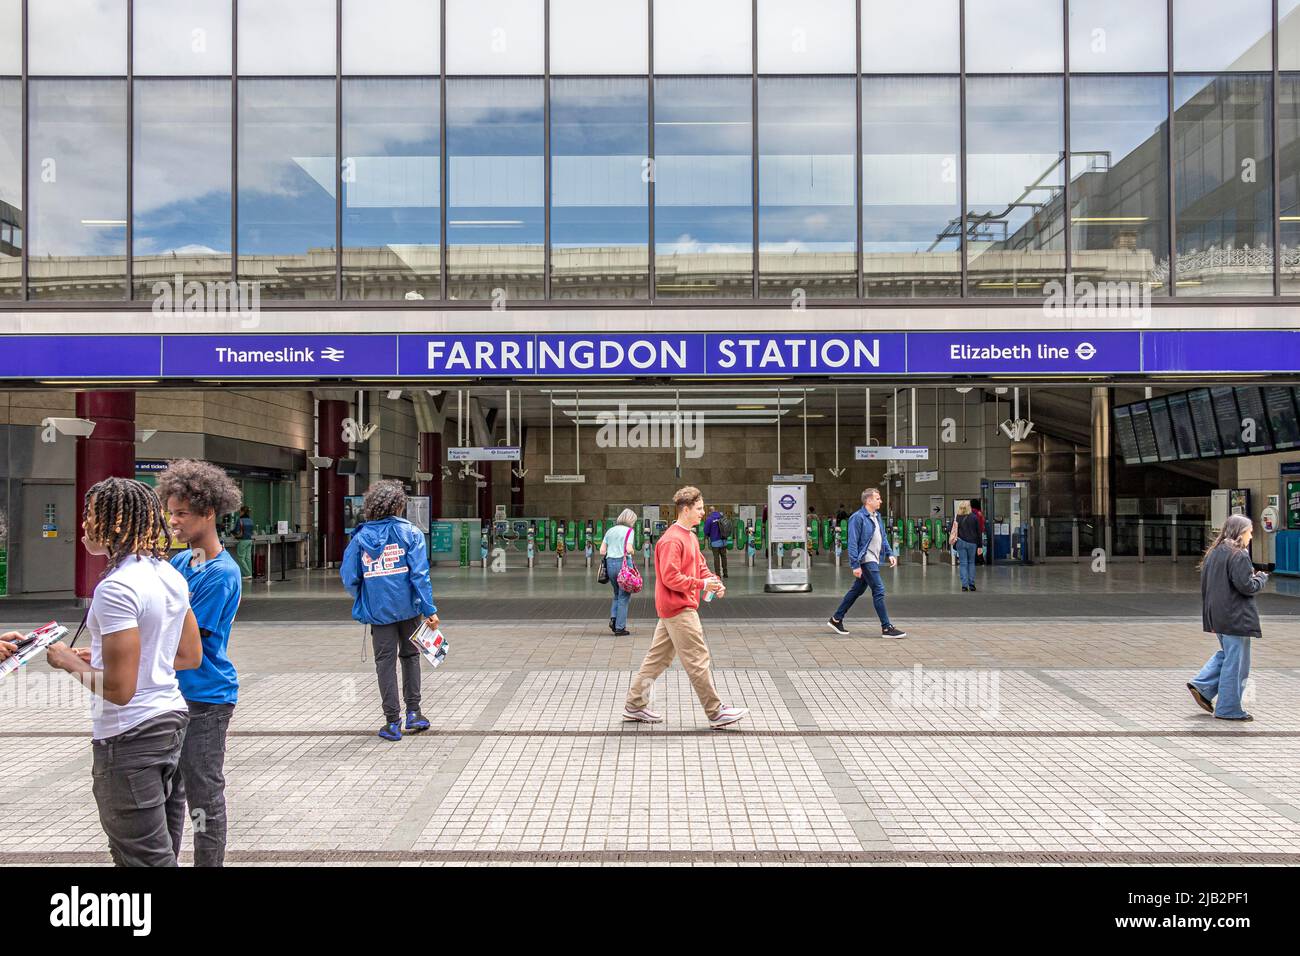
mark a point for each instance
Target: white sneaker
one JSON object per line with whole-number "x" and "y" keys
{"x": 643, "y": 714}
{"x": 728, "y": 715}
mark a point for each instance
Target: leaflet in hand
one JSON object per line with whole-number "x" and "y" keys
{"x": 431, "y": 644}
{"x": 32, "y": 644}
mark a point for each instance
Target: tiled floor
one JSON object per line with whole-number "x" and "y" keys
{"x": 1004, "y": 742}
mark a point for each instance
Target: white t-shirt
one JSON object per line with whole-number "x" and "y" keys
{"x": 151, "y": 595}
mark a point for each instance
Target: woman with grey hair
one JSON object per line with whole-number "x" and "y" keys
{"x": 613, "y": 549}
{"x": 1229, "y": 583}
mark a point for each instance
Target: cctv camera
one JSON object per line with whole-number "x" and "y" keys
{"x": 318, "y": 461}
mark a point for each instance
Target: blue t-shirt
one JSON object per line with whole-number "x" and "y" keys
{"x": 615, "y": 538}
{"x": 215, "y": 587}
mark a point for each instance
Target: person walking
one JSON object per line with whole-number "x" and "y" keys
{"x": 1229, "y": 584}
{"x": 386, "y": 570}
{"x": 244, "y": 543}
{"x": 195, "y": 493}
{"x": 680, "y": 575}
{"x": 142, "y": 632}
{"x": 716, "y": 532}
{"x": 868, "y": 544}
{"x": 964, "y": 538}
{"x": 614, "y": 548}
{"x": 979, "y": 516}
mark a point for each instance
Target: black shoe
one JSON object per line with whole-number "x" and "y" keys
{"x": 611, "y": 624}
{"x": 1202, "y": 701}
{"x": 622, "y": 633}
{"x": 1242, "y": 719}
{"x": 837, "y": 626}
{"x": 892, "y": 631}
{"x": 964, "y": 588}
{"x": 972, "y": 587}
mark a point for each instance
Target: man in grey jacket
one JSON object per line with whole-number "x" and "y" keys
{"x": 1229, "y": 583}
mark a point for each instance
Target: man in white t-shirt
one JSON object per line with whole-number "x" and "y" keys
{"x": 142, "y": 631}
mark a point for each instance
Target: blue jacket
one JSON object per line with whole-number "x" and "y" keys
{"x": 860, "y": 536}
{"x": 386, "y": 570}
{"x": 711, "y": 531}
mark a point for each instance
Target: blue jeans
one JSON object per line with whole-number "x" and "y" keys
{"x": 966, "y": 562}
{"x": 617, "y": 607}
{"x": 870, "y": 579}
{"x": 1224, "y": 675}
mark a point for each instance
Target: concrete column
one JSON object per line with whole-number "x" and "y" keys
{"x": 333, "y": 488}
{"x": 1102, "y": 468}
{"x": 109, "y": 452}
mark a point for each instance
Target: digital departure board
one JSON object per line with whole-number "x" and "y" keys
{"x": 1163, "y": 428}
{"x": 1125, "y": 440}
{"x": 1254, "y": 420}
{"x": 1148, "y": 452}
{"x": 1180, "y": 413}
{"x": 1207, "y": 433}
{"x": 1226, "y": 416}
{"x": 1282, "y": 417}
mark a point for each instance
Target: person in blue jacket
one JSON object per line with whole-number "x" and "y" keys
{"x": 386, "y": 570}
{"x": 868, "y": 546}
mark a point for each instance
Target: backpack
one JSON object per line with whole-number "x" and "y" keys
{"x": 629, "y": 578}
{"x": 726, "y": 527}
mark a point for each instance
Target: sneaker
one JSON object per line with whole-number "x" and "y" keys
{"x": 965, "y": 588}
{"x": 415, "y": 722}
{"x": 837, "y": 626}
{"x": 972, "y": 587}
{"x": 1202, "y": 701}
{"x": 728, "y": 715}
{"x": 892, "y": 631}
{"x": 644, "y": 715}
{"x": 1242, "y": 718}
{"x": 611, "y": 624}
{"x": 391, "y": 731}
{"x": 622, "y": 632}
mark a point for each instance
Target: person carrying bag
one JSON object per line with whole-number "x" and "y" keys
{"x": 617, "y": 570}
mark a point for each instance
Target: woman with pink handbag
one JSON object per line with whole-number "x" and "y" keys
{"x": 624, "y": 578}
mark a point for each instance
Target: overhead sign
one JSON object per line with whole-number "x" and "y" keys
{"x": 796, "y": 479}
{"x": 490, "y": 453}
{"x": 258, "y": 355}
{"x": 926, "y": 476}
{"x": 1042, "y": 353}
{"x": 891, "y": 453}
{"x": 564, "y": 479}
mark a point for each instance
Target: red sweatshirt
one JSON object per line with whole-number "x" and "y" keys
{"x": 680, "y": 571}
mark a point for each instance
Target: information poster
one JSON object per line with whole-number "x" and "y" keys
{"x": 787, "y": 507}
{"x": 1293, "y": 504}
{"x": 441, "y": 539}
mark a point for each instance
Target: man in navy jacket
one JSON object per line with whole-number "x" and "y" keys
{"x": 868, "y": 543}
{"x": 386, "y": 570}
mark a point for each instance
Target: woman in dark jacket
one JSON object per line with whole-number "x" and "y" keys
{"x": 1229, "y": 583}
{"x": 964, "y": 537}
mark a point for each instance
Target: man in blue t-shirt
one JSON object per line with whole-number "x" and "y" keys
{"x": 195, "y": 493}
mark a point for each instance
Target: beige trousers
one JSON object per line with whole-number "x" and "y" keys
{"x": 681, "y": 635}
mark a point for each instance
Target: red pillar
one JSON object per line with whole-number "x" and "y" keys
{"x": 431, "y": 461}
{"x": 109, "y": 452}
{"x": 485, "y": 493}
{"x": 332, "y": 488}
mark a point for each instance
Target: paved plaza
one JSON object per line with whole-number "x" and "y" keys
{"x": 1065, "y": 740}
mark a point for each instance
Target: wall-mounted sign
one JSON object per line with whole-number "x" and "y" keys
{"x": 926, "y": 476}
{"x": 793, "y": 479}
{"x": 891, "y": 453}
{"x": 564, "y": 479}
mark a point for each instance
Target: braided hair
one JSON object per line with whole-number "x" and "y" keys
{"x": 126, "y": 517}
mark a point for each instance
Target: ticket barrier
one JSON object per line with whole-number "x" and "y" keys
{"x": 561, "y": 535}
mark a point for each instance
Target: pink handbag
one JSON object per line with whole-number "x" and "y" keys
{"x": 629, "y": 578}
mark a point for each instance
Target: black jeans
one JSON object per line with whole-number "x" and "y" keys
{"x": 133, "y": 775}
{"x": 201, "y": 783}
{"x": 719, "y": 560}
{"x": 391, "y": 646}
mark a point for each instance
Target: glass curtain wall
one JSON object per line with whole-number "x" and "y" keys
{"x": 495, "y": 185}
{"x": 807, "y": 216}
{"x": 600, "y": 188}
{"x": 11, "y": 188}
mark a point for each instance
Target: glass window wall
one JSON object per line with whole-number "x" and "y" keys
{"x": 496, "y": 185}
{"x": 287, "y": 186}
{"x": 1223, "y": 184}
{"x": 911, "y": 36}
{"x": 11, "y": 188}
{"x": 181, "y": 37}
{"x": 911, "y": 186}
{"x": 1014, "y": 178}
{"x": 181, "y": 183}
{"x": 76, "y": 176}
{"x": 806, "y": 215}
{"x": 1118, "y": 36}
{"x": 704, "y": 214}
{"x": 600, "y": 194}
{"x": 599, "y": 37}
{"x": 391, "y": 189}
{"x": 1119, "y": 179}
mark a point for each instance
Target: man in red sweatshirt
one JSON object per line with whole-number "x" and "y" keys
{"x": 680, "y": 574}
